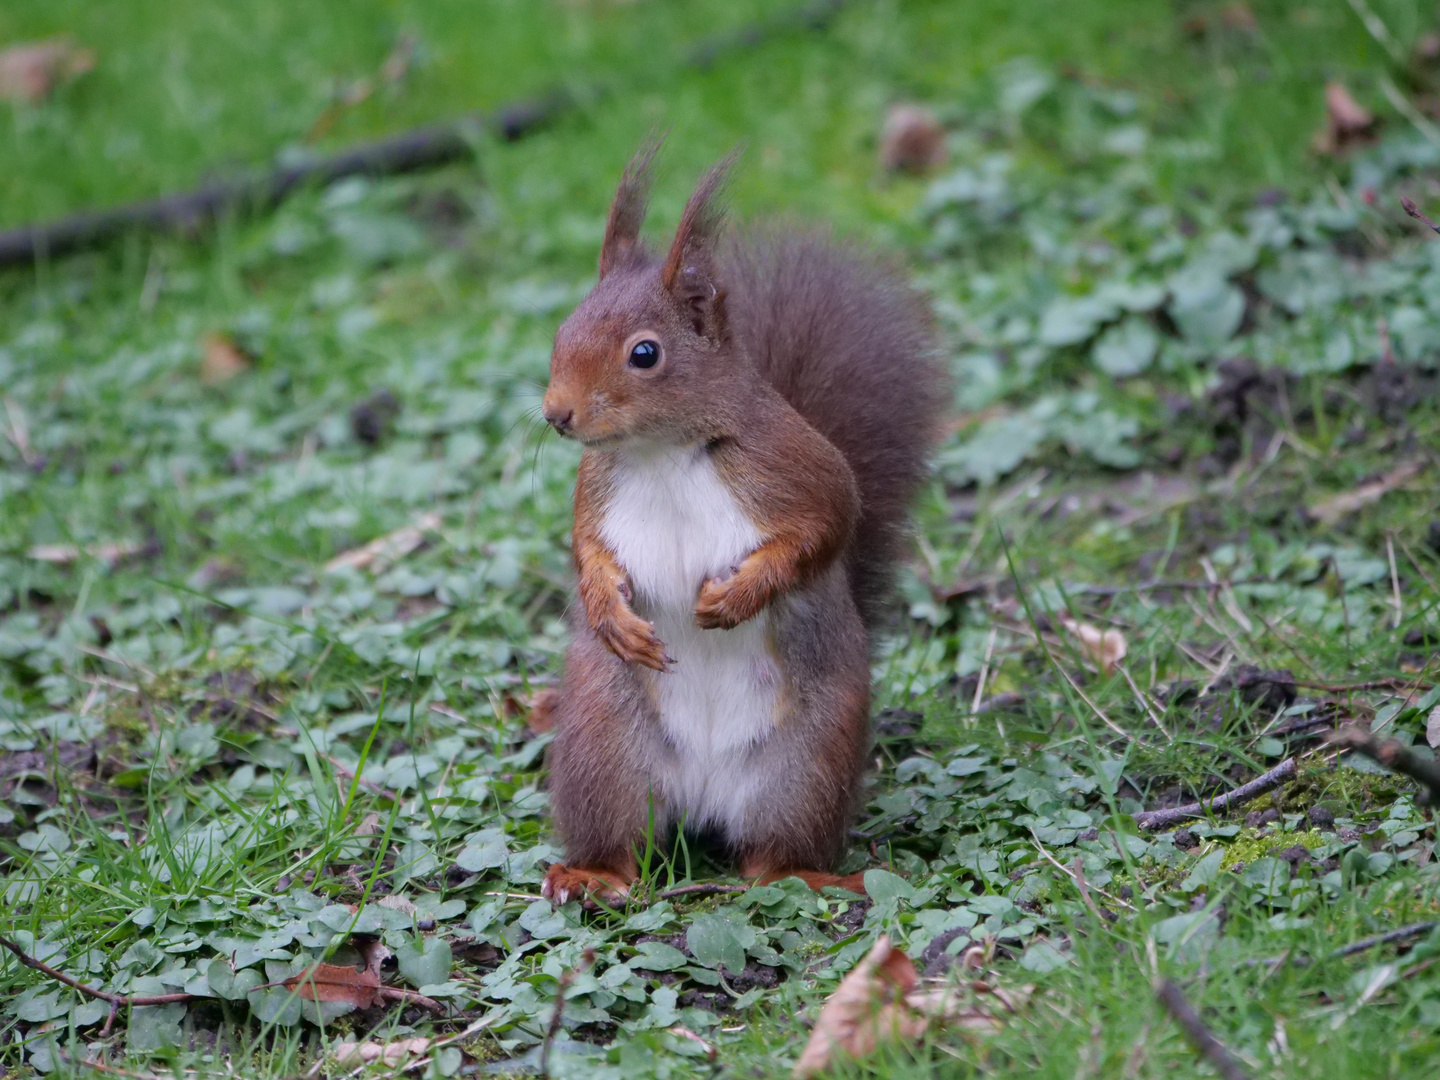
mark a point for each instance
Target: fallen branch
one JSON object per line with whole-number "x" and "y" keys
{"x": 1396, "y": 756}
{"x": 117, "y": 1001}
{"x": 1211, "y": 1048}
{"x": 422, "y": 148}
{"x": 1154, "y": 820}
{"x": 1396, "y": 683}
{"x": 1403, "y": 933}
{"x": 1415, "y": 212}
{"x": 552, "y": 1029}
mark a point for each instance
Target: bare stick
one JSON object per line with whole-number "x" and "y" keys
{"x": 422, "y": 148}
{"x": 1211, "y": 1048}
{"x": 552, "y": 1029}
{"x": 1395, "y": 755}
{"x": 1415, "y": 212}
{"x": 703, "y": 889}
{"x": 116, "y": 1000}
{"x": 1154, "y": 820}
{"x": 1404, "y": 933}
{"x": 1077, "y": 875}
{"x": 1396, "y": 683}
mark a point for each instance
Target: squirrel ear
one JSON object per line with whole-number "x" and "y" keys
{"x": 627, "y": 212}
{"x": 689, "y": 272}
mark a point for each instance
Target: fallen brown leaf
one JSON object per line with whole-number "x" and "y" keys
{"x": 882, "y": 1000}
{"x": 367, "y": 1053}
{"x": 384, "y": 550}
{"x": 221, "y": 359}
{"x": 1334, "y": 509}
{"x": 336, "y": 982}
{"x": 1104, "y": 648}
{"x": 541, "y": 715}
{"x": 30, "y": 72}
{"x": 361, "y": 988}
{"x": 1347, "y": 122}
{"x": 373, "y": 952}
{"x": 912, "y": 139}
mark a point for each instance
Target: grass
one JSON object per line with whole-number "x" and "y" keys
{"x": 183, "y": 718}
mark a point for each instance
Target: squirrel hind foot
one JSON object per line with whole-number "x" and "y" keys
{"x": 815, "y": 879}
{"x": 594, "y": 888}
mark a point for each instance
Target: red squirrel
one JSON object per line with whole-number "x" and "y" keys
{"x": 756, "y": 413}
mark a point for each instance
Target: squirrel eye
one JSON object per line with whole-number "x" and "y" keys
{"x": 645, "y": 354}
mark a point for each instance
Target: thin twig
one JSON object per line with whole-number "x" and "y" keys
{"x": 707, "y": 888}
{"x": 984, "y": 671}
{"x": 1396, "y": 683}
{"x": 1211, "y": 1048}
{"x": 1404, "y": 933}
{"x": 116, "y": 1000}
{"x": 566, "y": 979}
{"x": 1394, "y": 581}
{"x": 1394, "y": 755}
{"x": 1079, "y": 880}
{"x": 1415, "y": 212}
{"x": 1144, "y": 701}
{"x": 1154, "y": 820}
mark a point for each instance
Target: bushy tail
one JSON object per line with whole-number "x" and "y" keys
{"x": 850, "y": 345}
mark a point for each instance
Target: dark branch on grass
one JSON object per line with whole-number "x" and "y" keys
{"x": 1404, "y": 933}
{"x": 1211, "y": 1048}
{"x": 1415, "y": 212}
{"x": 1395, "y": 683}
{"x": 422, "y": 148}
{"x": 1154, "y": 820}
{"x": 1390, "y": 937}
{"x": 552, "y": 1029}
{"x": 116, "y": 1000}
{"x": 1396, "y": 756}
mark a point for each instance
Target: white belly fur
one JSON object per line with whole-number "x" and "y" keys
{"x": 672, "y": 525}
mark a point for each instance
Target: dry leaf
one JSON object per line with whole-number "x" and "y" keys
{"x": 1347, "y": 122}
{"x": 397, "y": 903}
{"x": 541, "y": 717}
{"x": 1104, "y": 648}
{"x": 337, "y": 982}
{"x": 221, "y": 359}
{"x": 369, "y": 825}
{"x": 912, "y": 139}
{"x": 1432, "y": 727}
{"x": 867, "y": 1006}
{"x": 31, "y": 71}
{"x": 384, "y": 550}
{"x": 373, "y": 952}
{"x": 882, "y": 999}
{"x": 1341, "y": 506}
{"x": 64, "y": 554}
{"x": 367, "y": 1053}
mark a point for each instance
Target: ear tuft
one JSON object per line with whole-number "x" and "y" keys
{"x": 689, "y": 271}
{"x": 627, "y": 213}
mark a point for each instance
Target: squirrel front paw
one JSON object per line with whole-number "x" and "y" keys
{"x": 591, "y": 887}
{"x": 725, "y": 603}
{"x": 632, "y": 639}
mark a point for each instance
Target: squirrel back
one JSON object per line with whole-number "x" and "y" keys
{"x": 850, "y": 345}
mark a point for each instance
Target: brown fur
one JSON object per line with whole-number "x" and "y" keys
{"x": 806, "y": 370}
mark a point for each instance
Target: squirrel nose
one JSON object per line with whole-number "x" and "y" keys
{"x": 560, "y": 418}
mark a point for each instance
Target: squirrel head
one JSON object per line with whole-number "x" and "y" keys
{"x": 645, "y": 351}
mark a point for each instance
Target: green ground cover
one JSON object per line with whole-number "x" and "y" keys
{"x": 1179, "y": 337}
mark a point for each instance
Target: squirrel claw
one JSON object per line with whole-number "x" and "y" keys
{"x": 592, "y": 888}
{"x": 633, "y": 640}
